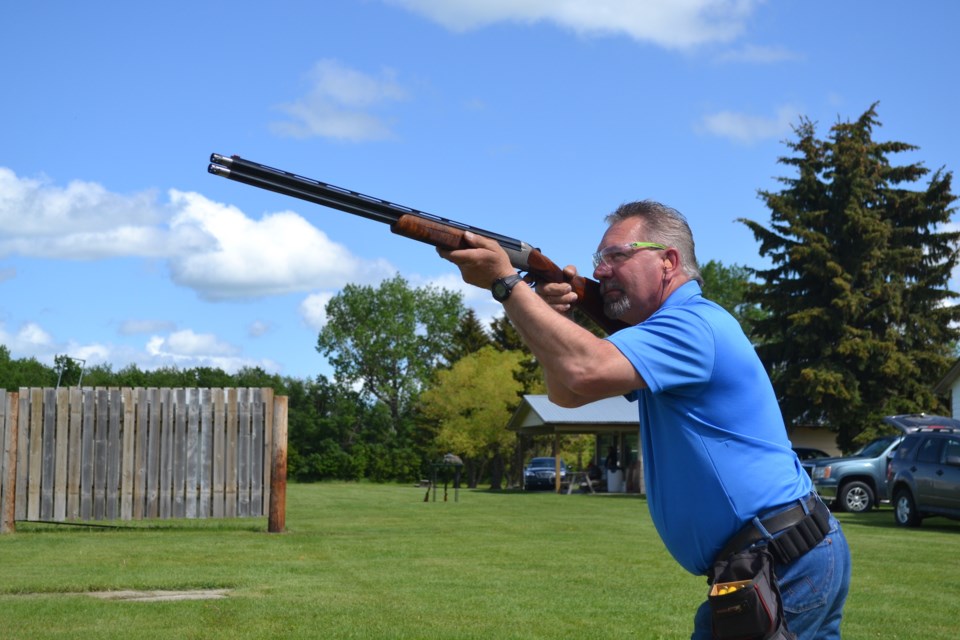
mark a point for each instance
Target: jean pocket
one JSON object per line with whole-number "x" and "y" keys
{"x": 803, "y": 583}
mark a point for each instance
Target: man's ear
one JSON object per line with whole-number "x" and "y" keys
{"x": 671, "y": 260}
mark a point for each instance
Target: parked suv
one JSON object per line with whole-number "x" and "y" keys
{"x": 858, "y": 482}
{"x": 924, "y": 476}
{"x": 541, "y": 473}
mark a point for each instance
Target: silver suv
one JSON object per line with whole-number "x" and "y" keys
{"x": 858, "y": 482}
{"x": 923, "y": 477}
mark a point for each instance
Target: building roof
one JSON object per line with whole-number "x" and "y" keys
{"x": 537, "y": 415}
{"x": 946, "y": 382}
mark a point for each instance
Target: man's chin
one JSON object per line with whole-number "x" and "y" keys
{"x": 614, "y": 309}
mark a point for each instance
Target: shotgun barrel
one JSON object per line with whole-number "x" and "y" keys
{"x": 411, "y": 223}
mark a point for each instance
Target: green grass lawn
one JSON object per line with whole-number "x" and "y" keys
{"x": 375, "y": 561}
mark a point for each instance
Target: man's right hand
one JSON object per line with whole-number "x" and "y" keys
{"x": 559, "y": 295}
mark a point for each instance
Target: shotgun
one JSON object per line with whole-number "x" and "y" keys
{"x": 413, "y": 224}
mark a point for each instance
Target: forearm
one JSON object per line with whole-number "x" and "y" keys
{"x": 578, "y": 366}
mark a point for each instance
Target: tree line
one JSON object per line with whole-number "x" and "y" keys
{"x": 853, "y": 319}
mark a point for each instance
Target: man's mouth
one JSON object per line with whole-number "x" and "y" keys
{"x": 610, "y": 288}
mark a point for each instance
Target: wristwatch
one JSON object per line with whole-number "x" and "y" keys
{"x": 503, "y": 286}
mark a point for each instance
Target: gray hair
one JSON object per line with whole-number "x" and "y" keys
{"x": 665, "y": 225}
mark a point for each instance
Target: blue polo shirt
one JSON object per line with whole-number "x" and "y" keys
{"x": 715, "y": 449}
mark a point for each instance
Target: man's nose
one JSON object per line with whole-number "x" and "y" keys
{"x": 602, "y": 271}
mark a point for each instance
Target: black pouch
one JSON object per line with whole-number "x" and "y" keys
{"x": 745, "y": 600}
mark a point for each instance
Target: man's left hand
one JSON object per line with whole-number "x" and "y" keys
{"x": 482, "y": 263}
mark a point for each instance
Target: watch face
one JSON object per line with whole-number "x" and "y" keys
{"x": 502, "y": 287}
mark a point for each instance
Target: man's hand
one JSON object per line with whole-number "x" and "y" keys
{"x": 559, "y": 295}
{"x": 483, "y": 263}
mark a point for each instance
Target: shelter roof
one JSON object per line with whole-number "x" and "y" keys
{"x": 537, "y": 415}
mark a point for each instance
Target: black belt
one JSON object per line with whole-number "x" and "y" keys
{"x": 796, "y": 531}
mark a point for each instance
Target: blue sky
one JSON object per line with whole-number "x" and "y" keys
{"x": 533, "y": 118}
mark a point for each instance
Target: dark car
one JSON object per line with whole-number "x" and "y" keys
{"x": 924, "y": 476}
{"x": 809, "y": 453}
{"x": 541, "y": 473}
{"x": 858, "y": 482}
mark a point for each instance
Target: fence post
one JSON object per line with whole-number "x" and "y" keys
{"x": 278, "y": 467}
{"x": 8, "y": 502}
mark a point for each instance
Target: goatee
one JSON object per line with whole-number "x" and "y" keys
{"x": 616, "y": 308}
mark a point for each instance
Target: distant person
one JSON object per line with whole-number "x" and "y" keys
{"x": 721, "y": 477}
{"x": 612, "y": 462}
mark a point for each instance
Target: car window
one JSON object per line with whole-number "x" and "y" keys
{"x": 874, "y": 449}
{"x": 951, "y": 452}
{"x": 930, "y": 450}
{"x": 907, "y": 449}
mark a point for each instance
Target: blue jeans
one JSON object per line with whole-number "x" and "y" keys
{"x": 814, "y": 588}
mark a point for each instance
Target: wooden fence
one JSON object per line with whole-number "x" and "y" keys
{"x": 137, "y": 453}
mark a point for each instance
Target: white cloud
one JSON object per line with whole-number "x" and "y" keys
{"x": 29, "y": 338}
{"x": 281, "y": 253}
{"x": 747, "y": 129}
{"x": 259, "y": 328}
{"x": 313, "y": 310}
{"x": 184, "y": 349}
{"x": 80, "y": 221}
{"x": 341, "y": 104}
{"x": 186, "y": 343}
{"x": 674, "y": 24}
{"x": 213, "y": 248}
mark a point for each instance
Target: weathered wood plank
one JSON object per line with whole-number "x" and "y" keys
{"x": 256, "y": 453}
{"x": 179, "y": 453}
{"x": 23, "y": 453}
{"x": 152, "y": 508}
{"x": 35, "y": 453}
{"x": 114, "y": 452}
{"x": 219, "y": 438}
{"x": 101, "y": 426}
{"x": 140, "y": 454}
{"x": 205, "y": 458}
{"x": 8, "y": 464}
{"x": 127, "y": 446}
{"x": 243, "y": 454}
{"x": 86, "y": 454}
{"x": 74, "y": 458}
{"x": 48, "y": 456}
{"x": 268, "y": 417}
{"x": 165, "y": 496}
{"x": 230, "y": 478}
{"x": 193, "y": 440}
{"x": 61, "y": 455}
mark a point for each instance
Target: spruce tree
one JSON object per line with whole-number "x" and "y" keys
{"x": 860, "y": 317}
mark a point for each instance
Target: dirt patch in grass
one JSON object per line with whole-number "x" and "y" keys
{"x": 160, "y": 596}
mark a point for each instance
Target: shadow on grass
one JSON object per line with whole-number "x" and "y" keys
{"x": 540, "y": 492}
{"x": 258, "y": 524}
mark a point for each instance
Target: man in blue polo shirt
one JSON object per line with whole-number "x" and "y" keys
{"x": 719, "y": 470}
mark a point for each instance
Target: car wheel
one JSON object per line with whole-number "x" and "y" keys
{"x": 904, "y": 509}
{"x": 856, "y": 497}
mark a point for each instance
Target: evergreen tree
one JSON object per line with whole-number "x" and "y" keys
{"x": 528, "y": 373}
{"x": 469, "y": 337}
{"x": 859, "y": 322}
{"x": 727, "y": 286}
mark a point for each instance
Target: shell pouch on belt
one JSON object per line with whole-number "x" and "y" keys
{"x": 745, "y": 599}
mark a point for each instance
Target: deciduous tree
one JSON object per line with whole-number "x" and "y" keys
{"x": 389, "y": 341}
{"x": 471, "y": 404}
